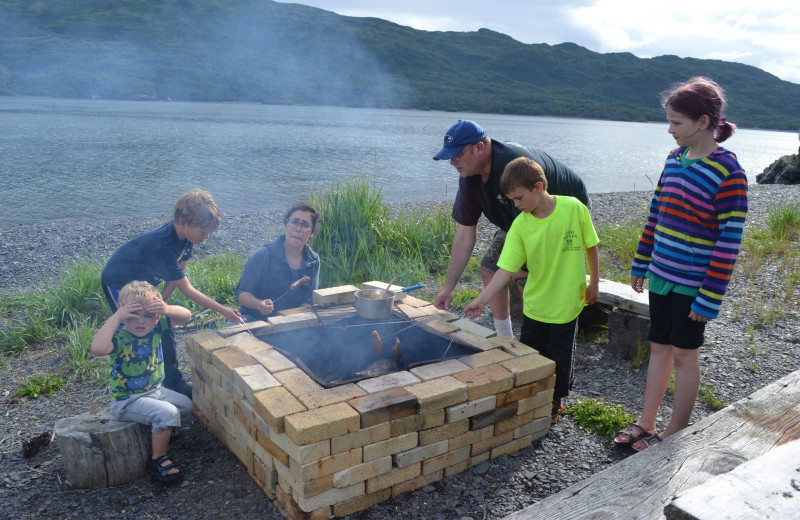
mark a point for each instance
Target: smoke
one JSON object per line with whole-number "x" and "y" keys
{"x": 245, "y": 50}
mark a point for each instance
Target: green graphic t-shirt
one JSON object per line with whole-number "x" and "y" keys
{"x": 553, "y": 247}
{"x": 137, "y": 364}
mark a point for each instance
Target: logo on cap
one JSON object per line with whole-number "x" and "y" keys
{"x": 448, "y": 139}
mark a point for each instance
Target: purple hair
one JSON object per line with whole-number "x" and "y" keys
{"x": 697, "y": 97}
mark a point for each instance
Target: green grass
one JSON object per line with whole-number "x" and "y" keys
{"x": 216, "y": 277}
{"x": 42, "y": 384}
{"x": 706, "y": 394}
{"x": 618, "y": 243}
{"x": 360, "y": 240}
{"x": 594, "y": 415}
{"x": 462, "y": 298}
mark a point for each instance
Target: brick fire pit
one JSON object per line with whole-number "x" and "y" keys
{"x": 331, "y": 451}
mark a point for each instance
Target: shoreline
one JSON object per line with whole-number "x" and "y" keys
{"x": 33, "y": 254}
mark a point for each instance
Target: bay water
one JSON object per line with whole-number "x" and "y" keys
{"x": 98, "y": 159}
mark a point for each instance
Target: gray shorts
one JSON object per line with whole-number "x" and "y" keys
{"x": 492, "y": 255}
{"x": 160, "y": 408}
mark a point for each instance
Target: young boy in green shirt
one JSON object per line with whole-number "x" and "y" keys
{"x": 555, "y": 236}
{"x": 132, "y": 337}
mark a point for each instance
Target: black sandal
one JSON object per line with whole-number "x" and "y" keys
{"x": 161, "y": 472}
{"x": 634, "y": 433}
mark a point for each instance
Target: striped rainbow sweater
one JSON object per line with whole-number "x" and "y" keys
{"x": 694, "y": 229}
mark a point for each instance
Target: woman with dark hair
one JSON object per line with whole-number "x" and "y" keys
{"x": 282, "y": 274}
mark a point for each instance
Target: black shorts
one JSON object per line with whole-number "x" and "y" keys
{"x": 492, "y": 255}
{"x": 670, "y": 323}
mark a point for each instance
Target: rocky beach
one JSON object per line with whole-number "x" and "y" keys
{"x": 754, "y": 342}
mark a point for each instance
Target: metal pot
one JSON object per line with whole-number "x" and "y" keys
{"x": 371, "y": 304}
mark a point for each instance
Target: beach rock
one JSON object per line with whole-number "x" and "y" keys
{"x": 785, "y": 170}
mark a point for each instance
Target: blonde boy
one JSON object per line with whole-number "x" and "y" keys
{"x": 132, "y": 339}
{"x": 555, "y": 236}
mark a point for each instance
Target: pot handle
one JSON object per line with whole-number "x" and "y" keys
{"x": 412, "y": 287}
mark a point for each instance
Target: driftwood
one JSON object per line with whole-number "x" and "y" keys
{"x": 99, "y": 452}
{"x": 640, "y": 486}
{"x": 767, "y": 487}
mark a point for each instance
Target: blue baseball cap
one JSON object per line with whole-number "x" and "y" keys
{"x": 457, "y": 137}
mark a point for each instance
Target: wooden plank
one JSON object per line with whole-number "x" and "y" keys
{"x": 640, "y": 486}
{"x": 766, "y": 487}
{"x": 623, "y": 296}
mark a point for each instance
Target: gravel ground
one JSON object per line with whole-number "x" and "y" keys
{"x": 741, "y": 355}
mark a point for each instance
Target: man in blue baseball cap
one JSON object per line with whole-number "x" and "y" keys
{"x": 480, "y": 162}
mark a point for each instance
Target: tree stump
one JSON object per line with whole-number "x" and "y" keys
{"x": 100, "y": 452}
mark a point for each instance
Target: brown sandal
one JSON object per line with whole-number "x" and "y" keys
{"x": 634, "y": 433}
{"x": 648, "y": 442}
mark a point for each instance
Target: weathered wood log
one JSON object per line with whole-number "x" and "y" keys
{"x": 766, "y": 487}
{"x": 640, "y": 486}
{"x": 100, "y": 452}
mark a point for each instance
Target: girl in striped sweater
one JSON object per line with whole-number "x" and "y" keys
{"x": 687, "y": 250}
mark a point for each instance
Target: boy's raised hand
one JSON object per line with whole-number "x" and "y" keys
{"x": 474, "y": 309}
{"x": 156, "y": 306}
{"x": 129, "y": 310}
{"x": 232, "y": 315}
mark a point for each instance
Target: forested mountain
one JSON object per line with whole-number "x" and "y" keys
{"x": 268, "y": 52}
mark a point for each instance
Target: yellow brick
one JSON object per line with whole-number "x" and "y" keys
{"x": 413, "y": 423}
{"x": 485, "y": 358}
{"x": 531, "y": 403}
{"x": 491, "y": 443}
{"x": 513, "y": 423}
{"x": 297, "y": 382}
{"x": 273, "y": 361}
{"x": 329, "y": 396}
{"x": 439, "y": 393}
{"x": 348, "y": 507}
{"x": 326, "y": 466}
{"x": 293, "y": 321}
{"x": 360, "y": 438}
{"x": 334, "y": 295}
{"x": 475, "y": 341}
{"x": 445, "y": 460}
{"x": 525, "y": 391}
{"x": 228, "y": 358}
{"x": 511, "y": 447}
{"x": 528, "y": 369}
{"x": 416, "y": 483}
{"x": 203, "y": 343}
{"x": 448, "y": 431}
{"x": 470, "y": 437}
{"x": 322, "y": 423}
{"x": 274, "y": 404}
{"x": 439, "y": 327}
{"x": 514, "y": 347}
{"x": 484, "y": 381}
{"x": 272, "y": 448}
{"x": 363, "y": 471}
{"x": 390, "y": 446}
{"x": 394, "y": 477}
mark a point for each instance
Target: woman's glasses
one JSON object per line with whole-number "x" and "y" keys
{"x": 296, "y": 222}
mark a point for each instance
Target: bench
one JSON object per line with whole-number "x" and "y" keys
{"x": 641, "y": 486}
{"x": 625, "y": 313}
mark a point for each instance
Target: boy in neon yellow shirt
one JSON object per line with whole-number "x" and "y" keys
{"x": 555, "y": 236}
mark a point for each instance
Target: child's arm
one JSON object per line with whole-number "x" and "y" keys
{"x": 499, "y": 280}
{"x": 593, "y": 290}
{"x": 102, "y": 343}
{"x": 169, "y": 287}
{"x": 196, "y": 296}
{"x": 177, "y": 315}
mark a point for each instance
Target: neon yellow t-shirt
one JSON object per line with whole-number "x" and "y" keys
{"x": 553, "y": 247}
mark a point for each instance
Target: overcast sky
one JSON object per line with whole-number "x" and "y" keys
{"x": 762, "y": 33}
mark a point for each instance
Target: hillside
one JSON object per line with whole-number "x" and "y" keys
{"x": 268, "y": 52}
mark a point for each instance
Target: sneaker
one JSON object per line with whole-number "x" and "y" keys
{"x": 558, "y": 407}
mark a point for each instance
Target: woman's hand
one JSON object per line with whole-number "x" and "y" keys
{"x": 637, "y": 283}
{"x": 266, "y": 307}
